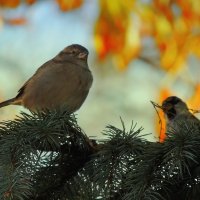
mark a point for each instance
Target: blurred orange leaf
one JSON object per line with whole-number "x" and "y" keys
{"x": 16, "y": 21}
{"x": 131, "y": 48}
{"x": 66, "y": 5}
{"x": 122, "y": 26}
{"x": 165, "y": 8}
{"x": 114, "y": 32}
{"x": 30, "y": 1}
{"x": 9, "y": 3}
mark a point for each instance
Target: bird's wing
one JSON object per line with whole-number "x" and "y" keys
{"x": 21, "y": 90}
{"x": 61, "y": 82}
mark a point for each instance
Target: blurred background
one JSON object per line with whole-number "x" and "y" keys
{"x": 140, "y": 50}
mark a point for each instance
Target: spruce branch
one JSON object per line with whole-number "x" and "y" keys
{"x": 46, "y": 155}
{"x": 40, "y": 147}
{"x": 166, "y": 170}
{"x": 115, "y": 156}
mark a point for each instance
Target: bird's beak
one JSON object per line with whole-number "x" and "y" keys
{"x": 83, "y": 55}
{"x": 165, "y": 107}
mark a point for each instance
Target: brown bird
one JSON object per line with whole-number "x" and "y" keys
{"x": 63, "y": 81}
{"x": 177, "y": 112}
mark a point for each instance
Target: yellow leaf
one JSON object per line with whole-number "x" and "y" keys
{"x": 169, "y": 55}
{"x": 162, "y": 26}
{"x": 131, "y": 47}
{"x": 180, "y": 27}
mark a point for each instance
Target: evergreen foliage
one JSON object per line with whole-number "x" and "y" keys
{"x": 46, "y": 155}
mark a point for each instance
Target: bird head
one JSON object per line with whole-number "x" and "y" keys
{"x": 173, "y": 106}
{"x": 76, "y": 51}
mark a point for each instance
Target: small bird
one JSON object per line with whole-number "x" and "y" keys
{"x": 176, "y": 112}
{"x": 62, "y": 82}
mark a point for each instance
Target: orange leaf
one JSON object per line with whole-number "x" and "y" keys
{"x": 9, "y": 3}
{"x": 114, "y": 33}
{"x": 109, "y": 35}
{"x": 165, "y": 8}
{"x": 16, "y": 21}
{"x": 30, "y": 1}
{"x": 66, "y": 5}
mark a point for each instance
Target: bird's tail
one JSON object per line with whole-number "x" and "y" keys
{"x": 8, "y": 102}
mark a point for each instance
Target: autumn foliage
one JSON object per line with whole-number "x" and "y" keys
{"x": 122, "y": 27}
{"x": 14, "y": 3}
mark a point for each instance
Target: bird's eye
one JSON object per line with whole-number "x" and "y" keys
{"x": 73, "y": 52}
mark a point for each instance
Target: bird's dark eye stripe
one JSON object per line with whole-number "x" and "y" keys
{"x": 171, "y": 113}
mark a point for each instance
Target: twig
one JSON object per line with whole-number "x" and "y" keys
{"x": 155, "y": 105}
